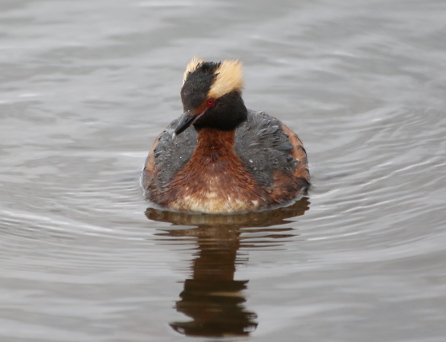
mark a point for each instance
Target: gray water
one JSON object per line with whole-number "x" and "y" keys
{"x": 87, "y": 85}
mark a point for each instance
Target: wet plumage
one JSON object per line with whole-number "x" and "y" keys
{"x": 232, "y": 159}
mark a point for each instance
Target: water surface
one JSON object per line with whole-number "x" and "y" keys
{"x": 87, "y": 85}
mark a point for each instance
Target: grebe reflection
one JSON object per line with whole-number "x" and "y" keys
{"x": 212, "y": 297}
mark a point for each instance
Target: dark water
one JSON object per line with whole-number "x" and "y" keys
{"x": 85, "y": 86}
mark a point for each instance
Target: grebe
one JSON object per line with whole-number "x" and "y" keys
{"x": 232, "y": 159}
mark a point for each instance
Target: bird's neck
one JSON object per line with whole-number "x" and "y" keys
{"x": 215, "y": 140}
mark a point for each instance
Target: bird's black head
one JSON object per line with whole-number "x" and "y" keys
{"x": 211, "y": 96}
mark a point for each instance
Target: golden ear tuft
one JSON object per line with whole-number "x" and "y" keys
{"x": 192, "y": 66}
{"x": 229, "y": 77}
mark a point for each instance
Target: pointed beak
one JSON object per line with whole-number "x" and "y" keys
{"x": 185, "y": 121}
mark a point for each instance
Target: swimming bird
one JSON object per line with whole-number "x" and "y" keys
{"x": 219, "y": 156}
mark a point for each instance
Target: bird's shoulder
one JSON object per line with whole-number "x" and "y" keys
{"x": 266, "y": 146}
{"x": 168, "y": 154}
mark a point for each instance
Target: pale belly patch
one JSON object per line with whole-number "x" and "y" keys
{"x": 214, "y": 197}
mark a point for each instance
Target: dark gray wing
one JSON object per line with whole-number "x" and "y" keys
{"x": 264, "y": 147}
{"x": 170, "y": 155}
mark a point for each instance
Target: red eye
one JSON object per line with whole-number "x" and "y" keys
{"x": 210, "y": 102}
